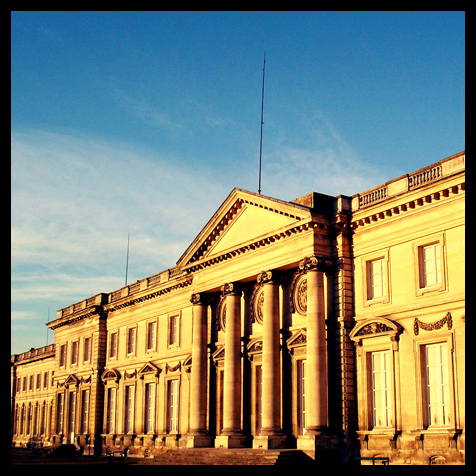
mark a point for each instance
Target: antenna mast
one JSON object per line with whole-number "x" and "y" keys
{"x": 261, "y": 135}
{"x": 127, "y": 260}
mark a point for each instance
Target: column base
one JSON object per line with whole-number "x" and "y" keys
{"x": 269, "y": 442}
{"x": 199, "y": 441}
{"x": 231, "y": 441}
{"x": 318, "y": 446}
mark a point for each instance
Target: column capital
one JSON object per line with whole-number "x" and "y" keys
{"x": 270, "y": 277}
{"x": 201, "y": 298}
{"x": 231, "y": 289}
{"x": 319, "y": 263}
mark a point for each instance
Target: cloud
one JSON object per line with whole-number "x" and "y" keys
{"x": 74, "y": 201}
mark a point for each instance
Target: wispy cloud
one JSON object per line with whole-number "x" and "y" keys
{"x": 73, "y": 203}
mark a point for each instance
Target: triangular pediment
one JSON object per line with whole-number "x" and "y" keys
{"x": 149, "y": 368}
{"x": 242, "y": 217}
{"x": 297, "y": 339}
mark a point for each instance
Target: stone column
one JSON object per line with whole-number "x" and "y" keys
{"x": 316, "y": 365}
{"x": 232, "y": 435}
{"x": 271, "y": 435}
{"x": 198, "y": 434}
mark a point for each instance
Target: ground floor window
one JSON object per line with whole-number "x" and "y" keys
{"x": 437, "y": 384}
{"x": 173, "y": 406}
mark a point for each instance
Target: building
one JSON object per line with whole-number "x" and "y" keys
{"x": 330, "y": 324}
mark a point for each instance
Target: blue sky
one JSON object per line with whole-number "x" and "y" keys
{"x": 143, "y": 122}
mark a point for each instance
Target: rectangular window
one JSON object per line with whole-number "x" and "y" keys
{"x": 45, "y": 380}
{"x": 376, "y": 279}
{"x": 87, "y": 349}
{"x": 38, "y": 381}
{"x": 173, "y": 406}
{"x": 72, "y": 412}
{"x": 131, "y": 340}
{"x": 430, "y": 265}
{"x": 31, "y": 383}
{"x": 381, "y": 389}
{"x": 113, "y": 346}
{"x": 437, "y": 383}
{"x": 149, "y": 416}
{"x": 111, "y": 411}
{"x": 129, "y": 407}
{"x": 43, "y": 419}
{"x": 74, "y": 352}
{"x": 259, "y": 398}
{"x": 59, "y": 414}
{"x": 174, "y": 325}
{"x": 63, "y": 355}
{"x": 302, "y": 392}
{"x": 84, "y": 411}
{"x": 151, "y": 335}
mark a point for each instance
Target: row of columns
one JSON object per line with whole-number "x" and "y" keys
{"x": 271, "y": 435}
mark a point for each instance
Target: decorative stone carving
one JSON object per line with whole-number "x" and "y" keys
{"x": 221, "y": 313}
{"x": 434, "y": 325}
{"x": 273, "y": 277}
{"x": 257, "y": 300}
{"x": 201, "y": 298}
{"x": 315, "y": 262}
{"x": 149, "y": 368}
{"x": 231, "y": 288}
{"x": 373, "y": 328}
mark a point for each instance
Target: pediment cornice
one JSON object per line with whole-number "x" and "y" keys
{"x": 202, "y": 248}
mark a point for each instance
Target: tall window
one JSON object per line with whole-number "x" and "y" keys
{"x": 173, "y": 406}
{"x": 72, "y": 412}
{"x": 149, "y": 416}
{"x": 129, "y": 407}
{"x": 113, "y": 346}
{"x": 59, "y": 413}
{"x": 74, "y": 352}
{"x": 87, "y": 349}
{"x": 437, "y": 395}
{"x": 131, "y": 340}
{"x": 63, "y": 355}
{"x": 381, "y": 389}
{"x": 376, "y": 279}
{"x": 84, "y": 411}
{"x": 302, "y": 392}
{"x": 43, "y": 419}
{"x": 259, "y": 398}
{"x": 151, "y": 335}
{"x": 430, "y": 265}
{"x": 174, "y": 324}
{"x": 111, "y": 411}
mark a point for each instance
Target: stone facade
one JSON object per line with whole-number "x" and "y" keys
{"x": 330, "y": 324}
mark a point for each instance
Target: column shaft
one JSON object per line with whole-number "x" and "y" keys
{"x": 316, "y": 367}
{"x": 271, "y": 417}
{"x": 232, "y": 377}
{"x": 198, "y": 380}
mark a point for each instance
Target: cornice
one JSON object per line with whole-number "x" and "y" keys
{"x": 131, "y": 301}
{"x": 252, "y": 245}
{"x": 73, "y": 318}
{"x": 372, "y": 216}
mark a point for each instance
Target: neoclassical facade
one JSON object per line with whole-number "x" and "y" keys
{"x": 334, "y": 325}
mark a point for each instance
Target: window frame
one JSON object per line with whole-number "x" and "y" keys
{"x": 131, "y": 341}
{"x": 175, "y": 318}
{"x": 369, "y": 299}
{"x": 151, "y": 346}
{"x": 114, "y": 356}
{"x": 421, "y": 289}
{"x": 420, "y": 345}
